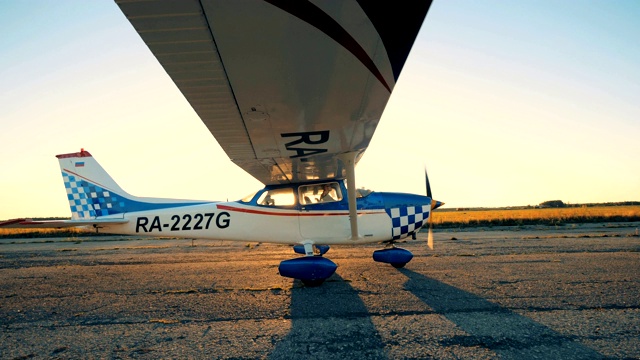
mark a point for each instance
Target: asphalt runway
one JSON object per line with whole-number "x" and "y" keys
{"x": 568, "y": 292}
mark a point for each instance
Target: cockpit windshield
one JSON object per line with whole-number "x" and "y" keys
{"x": 249, "y": 197}
{"x": 360, "y": 192}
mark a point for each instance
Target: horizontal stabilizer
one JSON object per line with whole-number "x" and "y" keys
{"x": 57, "y": 224}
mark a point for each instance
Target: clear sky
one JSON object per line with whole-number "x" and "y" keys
{"x": 506, "y": 102}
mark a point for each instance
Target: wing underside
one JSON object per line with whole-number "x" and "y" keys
{"x": 283, "y": 86}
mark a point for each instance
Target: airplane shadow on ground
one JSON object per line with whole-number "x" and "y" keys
{"x": 510, "y": 335}
{"x": 329, "y": 321}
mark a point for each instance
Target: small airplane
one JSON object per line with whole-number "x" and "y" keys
{"x": 293, "y": 92}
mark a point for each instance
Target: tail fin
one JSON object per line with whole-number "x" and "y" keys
{"x": 92, "y": 192}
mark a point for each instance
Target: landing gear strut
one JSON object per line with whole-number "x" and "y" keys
{"x": 317, "y": 249}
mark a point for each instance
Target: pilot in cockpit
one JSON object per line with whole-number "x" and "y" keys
{"x": 326, "y": 194}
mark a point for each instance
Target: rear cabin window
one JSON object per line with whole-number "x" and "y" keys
{"x": 319, "y": 193}
{"x": 277, "y": 197}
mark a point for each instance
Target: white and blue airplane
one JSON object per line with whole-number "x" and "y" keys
{"x": 293, "y": 92}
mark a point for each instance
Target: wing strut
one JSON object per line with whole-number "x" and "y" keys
{"x": 349, "y": 161}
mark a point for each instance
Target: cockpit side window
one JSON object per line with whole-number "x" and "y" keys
{"x": 320, "y": 193}
{"x": 277, "y": 197}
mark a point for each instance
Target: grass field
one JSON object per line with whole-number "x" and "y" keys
{"x": 35, "y": 233}
{"x": 557, "y": 216}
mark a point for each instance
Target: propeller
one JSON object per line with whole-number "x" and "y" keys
{"x": 430, "y": 195}
{"x": 426, "y": 180}
{"x": 434, "y": 205}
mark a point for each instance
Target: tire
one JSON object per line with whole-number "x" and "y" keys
{"x": 398, "y": 265}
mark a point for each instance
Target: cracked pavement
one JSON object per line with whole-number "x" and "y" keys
{"x": 569, "y": 292}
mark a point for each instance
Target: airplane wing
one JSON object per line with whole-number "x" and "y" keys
{"x": 283, "y": 85}
{"x": 57, "y": 224}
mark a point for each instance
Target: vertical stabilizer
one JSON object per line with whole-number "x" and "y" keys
{"x": 90, "y": 190}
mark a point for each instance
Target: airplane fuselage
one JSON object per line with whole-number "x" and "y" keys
{"x": 302, "y": 216}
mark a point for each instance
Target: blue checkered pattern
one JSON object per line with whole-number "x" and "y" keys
{"x": 88, "y": 200}
{"x": 406, "y": 220}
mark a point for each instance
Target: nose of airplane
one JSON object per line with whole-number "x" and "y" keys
{"x": 436, "y": 204}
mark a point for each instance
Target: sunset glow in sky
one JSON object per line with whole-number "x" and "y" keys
{"x": 507, "y": 103}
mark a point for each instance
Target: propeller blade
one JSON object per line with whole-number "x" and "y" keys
{"x": 430, "y": 236}
{"x": 426, "y": 178}
{"x": 434, "y": 204}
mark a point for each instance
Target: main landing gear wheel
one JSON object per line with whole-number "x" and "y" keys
{"x": 396, "y": 257}
{"x": 311, "y": 270}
